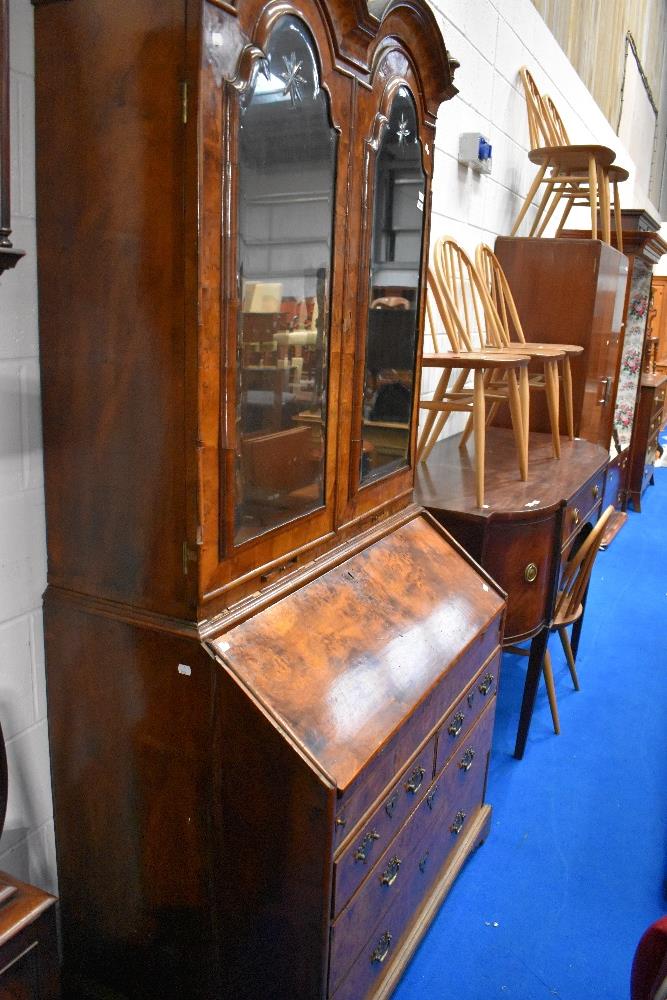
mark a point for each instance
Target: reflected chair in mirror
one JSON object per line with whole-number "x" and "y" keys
{"x": 498, "y": 376}
{"x": 555, "y": 357}
{"x": 569, "y": 606}
{"x": 576, "y": 174}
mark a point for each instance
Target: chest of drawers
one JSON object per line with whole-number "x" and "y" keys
{"x": 647, "y": 426}
{"x": 357, "y": 787}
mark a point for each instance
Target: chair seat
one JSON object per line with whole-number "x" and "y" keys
{"x": 475, "y": 360}
{"x": 573, "y": 157}
{"x": 545, "y": 351}
{"x": 573, "y": 349}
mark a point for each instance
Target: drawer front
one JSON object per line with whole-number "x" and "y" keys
{"x": 425, "y": 841}
{"x": 359, "y": 856}
{"x": 581, "y": 506}
{"x": 520, "y": 557}
{"x": 355, "y": 801}
{"x": 467, "y": 711}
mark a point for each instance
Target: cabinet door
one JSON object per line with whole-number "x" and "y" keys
{"x": 382, "y": 356}
{"x": 274, "y": 189}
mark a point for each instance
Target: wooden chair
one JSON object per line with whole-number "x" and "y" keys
{"x": 498, "y": 288}
{"x": 569, "y": 607}
{"x": 577, "y": 174}
{"x": 498, "y": 376}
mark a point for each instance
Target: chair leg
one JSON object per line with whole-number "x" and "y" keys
{"x": 551, "y": 386}
{"x": 567, "y": 649}
{"x": 524, "y": 395}
{"x": 568, "y": 209}
{"x": 603, "y": 198}
{"x": 618, "y": 219}
{"x": 558, "y": 192}
{"x": 548, "y": 192}
{"x": 479, "y": 424}
{"x": 441, "y": 388}
{"x": 593, "y": 195}
{"x": 516, "y": 413}
{"x": 529, "y": 197}
{"x": 567, "y": 397}
{"x": 551, "y": 690}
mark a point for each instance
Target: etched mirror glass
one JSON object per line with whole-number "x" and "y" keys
{"x": 391, "y": 336}
{"x": 286, "y": 182}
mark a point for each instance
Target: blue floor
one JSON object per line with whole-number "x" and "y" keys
{"x": 575, "y": 866}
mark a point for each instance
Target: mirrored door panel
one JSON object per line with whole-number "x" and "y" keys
{"x": 286, "y": 182}
{"x": 393, "y": 309}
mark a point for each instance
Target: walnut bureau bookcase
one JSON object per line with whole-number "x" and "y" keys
{"x": 271, "y": 675}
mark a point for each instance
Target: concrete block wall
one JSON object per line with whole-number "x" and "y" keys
{"x": 492, "y": 39}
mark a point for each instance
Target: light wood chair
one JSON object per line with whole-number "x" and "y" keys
{"x": 498, "y": 288}
{"x": 569, "y": 608}
{"x": 459, "y": 303}
{"x": 577, "y": 174}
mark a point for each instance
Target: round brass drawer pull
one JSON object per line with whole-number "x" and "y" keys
{"x": 530, "y": 573}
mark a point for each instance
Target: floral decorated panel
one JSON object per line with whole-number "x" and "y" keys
{"x": 631, "y": 359}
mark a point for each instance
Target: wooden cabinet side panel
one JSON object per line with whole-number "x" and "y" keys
{"x": 274, "y": 862}
{"x": 110, "y": 194}
{"x": 130, "y": 739}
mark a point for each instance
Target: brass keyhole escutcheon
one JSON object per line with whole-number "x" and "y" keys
{"x": 576, "y": 516}
{"x": 390, "y": 805}
{"x": 530, "y": 573}
{"x": 596, "y": 491}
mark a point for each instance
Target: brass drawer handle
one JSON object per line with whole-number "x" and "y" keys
{"x": 381, "y": 949}
{"x": 430, "y": 797}
{"x": 576, "y": 516}
{"x": 471, "y": 698}
{"x": 486, "y": 684}
{"x": 361, "y": 853}
{"x": 457, "y": 825}
{"x": 596, "y": 491}
{"x": 466, "y": 761}
{"x": 422, "y": 863}
{"x": 530, "y": 573}
{"x": 390, "y": 805}
{"x": 415, "y": 780}
{"x": 456, "y": 725}
{"x": 390, "y": 874}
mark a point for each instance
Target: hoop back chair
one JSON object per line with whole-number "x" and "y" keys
{"x": 554, "y": 356}
{"x": 579, "y": 174}
{"x": 456, "y": 297}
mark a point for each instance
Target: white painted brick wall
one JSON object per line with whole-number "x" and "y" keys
{"x": 492, "y": 39}
{"x": 27, "y": 845}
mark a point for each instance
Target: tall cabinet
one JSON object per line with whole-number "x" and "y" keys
{"x": 271, "y": 676}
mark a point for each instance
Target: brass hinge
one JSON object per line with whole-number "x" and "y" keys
{"x": 184, "y": 101}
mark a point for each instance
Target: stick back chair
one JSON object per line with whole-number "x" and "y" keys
{"x": 569, "y": 607}
{"x": 554, "y": 356}
{"x": 456, "y": 298}
{"x": 577, "y": 174}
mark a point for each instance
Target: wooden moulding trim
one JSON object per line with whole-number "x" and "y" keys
{"x": 118, "y": 611}
{"x": 251, "y": 605}
{"x": 475, "y": 835}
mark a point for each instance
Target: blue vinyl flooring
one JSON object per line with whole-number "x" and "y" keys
{"x": 575, "y": 866}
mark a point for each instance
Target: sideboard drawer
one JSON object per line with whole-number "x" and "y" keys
{"x": 581, "y": 506}
{"x": 362, "y": 852}
{"x": 426, "y": 838}
{"x": 381, "y": 771}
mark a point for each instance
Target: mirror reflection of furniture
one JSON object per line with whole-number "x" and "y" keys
{"x": 460, "y": 306}
{"x": 498, "y": 287}
{"x": 575, "y": 174}
{"x": 570, "y": 606}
